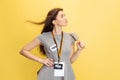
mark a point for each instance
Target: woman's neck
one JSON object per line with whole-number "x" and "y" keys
{"x": 57, "y": 30}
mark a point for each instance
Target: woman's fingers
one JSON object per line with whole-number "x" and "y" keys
{"x": 49, "y": 62}
{"x": 80, "y": 45}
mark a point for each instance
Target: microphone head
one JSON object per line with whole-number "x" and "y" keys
{"x": 74, "y": 36}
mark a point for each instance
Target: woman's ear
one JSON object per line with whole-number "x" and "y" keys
{"x": 53, "y": 21}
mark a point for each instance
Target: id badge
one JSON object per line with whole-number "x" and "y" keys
{"x": 53, "y": 48}
{"x": 59, "y": 69}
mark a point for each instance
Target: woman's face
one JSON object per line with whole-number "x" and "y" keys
{"x": 61, "y": 19}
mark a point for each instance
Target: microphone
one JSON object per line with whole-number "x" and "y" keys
{"x": 76, "y": 37}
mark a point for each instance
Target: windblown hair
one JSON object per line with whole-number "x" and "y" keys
{"x": 48, "y": 25}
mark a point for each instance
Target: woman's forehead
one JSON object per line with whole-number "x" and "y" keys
{"x": 61, "y": 13}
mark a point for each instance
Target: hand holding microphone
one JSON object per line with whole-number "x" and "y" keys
{"x": 80, "y": 45}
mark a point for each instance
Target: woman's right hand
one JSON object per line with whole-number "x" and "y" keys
{"x": 48, "y": 62}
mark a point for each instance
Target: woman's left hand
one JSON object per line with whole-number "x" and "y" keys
{"x": 80, "y": 45}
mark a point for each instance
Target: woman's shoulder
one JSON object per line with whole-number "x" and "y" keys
{"x": 72, "y": 35}
{"x": 45, "y": 34}
{"x": 43, "y": 37}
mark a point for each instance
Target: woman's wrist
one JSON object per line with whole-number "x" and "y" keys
{"x": 41, "y": 60}
{"x": 79, "y": 49}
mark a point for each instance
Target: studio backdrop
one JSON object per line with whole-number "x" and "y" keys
{"x": 97, "y": 22}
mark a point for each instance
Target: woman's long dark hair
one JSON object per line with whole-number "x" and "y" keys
{"x": 48, "y": 25}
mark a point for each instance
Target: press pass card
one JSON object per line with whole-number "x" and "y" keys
{"x": 59, "y": 69}
{"x": 53, "y": 48}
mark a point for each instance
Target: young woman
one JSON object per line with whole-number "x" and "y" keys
{"x": 57, "y": 45}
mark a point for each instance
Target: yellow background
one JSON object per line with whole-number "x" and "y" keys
{"x": 96, "y": 21}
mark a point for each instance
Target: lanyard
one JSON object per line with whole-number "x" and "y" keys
{"x": 59, "y": 51}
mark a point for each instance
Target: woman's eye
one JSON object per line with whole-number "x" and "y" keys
{"x": 62, "y": 15}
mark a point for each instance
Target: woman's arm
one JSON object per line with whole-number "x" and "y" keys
{"x": 75, "y": 54}
{"x": 25, "y": 51}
